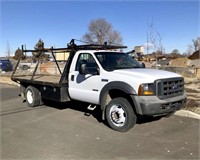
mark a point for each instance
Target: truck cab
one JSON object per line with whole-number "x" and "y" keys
{"x": 108, "y": 78}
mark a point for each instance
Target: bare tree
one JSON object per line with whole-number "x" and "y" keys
{"x": 160, "y": 48}
{"x": 196, "y": 43}
{"x": 152, "y": 36}
{"x": 189, "y": 50}
{"x": 100, "y": 31}
{"x": 155, "y": 39}
{"x": 175, "y": 51}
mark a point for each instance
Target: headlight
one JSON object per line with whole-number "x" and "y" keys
{"x": 146, "y": 89}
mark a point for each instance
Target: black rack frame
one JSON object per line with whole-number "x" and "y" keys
{"x": 72, "y": 48}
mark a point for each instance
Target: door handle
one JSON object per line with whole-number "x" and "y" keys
{"x": 72, "y": 77}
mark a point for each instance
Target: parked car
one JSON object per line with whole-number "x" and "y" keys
{"x": 6, "y": 65}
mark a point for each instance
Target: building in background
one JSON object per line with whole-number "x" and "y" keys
{"x": 139, "y": 50}
{"x": 63, "y": 56}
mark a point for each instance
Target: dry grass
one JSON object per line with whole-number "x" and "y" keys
{"x": 7, "y": 80}
{"x": 192, "y": 87}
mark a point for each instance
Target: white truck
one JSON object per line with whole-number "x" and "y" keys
{"x": 108, "y": 79}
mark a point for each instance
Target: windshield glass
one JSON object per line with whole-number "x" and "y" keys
{"x": 112, "y": 60}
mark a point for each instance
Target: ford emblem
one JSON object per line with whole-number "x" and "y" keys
{"x": 175, "y": 87}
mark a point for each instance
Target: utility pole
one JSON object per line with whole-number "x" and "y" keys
{"x": 8, "y": 49}
{"x": 147, "y": 43}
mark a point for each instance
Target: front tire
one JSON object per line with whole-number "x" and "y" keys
{"x": 33, "y": 96}
{"x": 120, "y": 115}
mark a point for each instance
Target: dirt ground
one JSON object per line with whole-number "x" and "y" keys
{"x": 7, "y": 80}
{"x": 192, "y": 87}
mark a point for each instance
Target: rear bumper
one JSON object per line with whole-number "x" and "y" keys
{"x": 153, "y": 106}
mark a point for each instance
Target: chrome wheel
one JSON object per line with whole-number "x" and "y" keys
{"x": 29, "y": 96}
{"x": 117, "y": 115}
{"x": 120, "y": 115}
{"x": 33, "y": 96}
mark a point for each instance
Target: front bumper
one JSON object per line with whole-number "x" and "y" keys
{"x": 153, "y": 106}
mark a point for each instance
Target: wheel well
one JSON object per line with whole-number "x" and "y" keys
{"x": 26, "y": 85}
{"x": 114, "y": 93}
{"x": 23, "y": 87}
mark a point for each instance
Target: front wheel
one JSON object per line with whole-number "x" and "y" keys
{"x": 120, "y": 115}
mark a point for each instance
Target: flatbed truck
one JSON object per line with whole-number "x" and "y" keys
{"x": 105, "y": 78}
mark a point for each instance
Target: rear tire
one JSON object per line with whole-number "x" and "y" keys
{"x": 120, "y": 115}
{"x": 22, "y": 93}
{"x": 33, "y": 96}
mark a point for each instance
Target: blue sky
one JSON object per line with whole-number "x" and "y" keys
{"x": 57, "y": 22}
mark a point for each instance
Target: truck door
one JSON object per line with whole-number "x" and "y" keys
{"x": 85, "y": 87}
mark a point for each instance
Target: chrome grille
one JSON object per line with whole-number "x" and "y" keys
{"x": 168, "y": 88}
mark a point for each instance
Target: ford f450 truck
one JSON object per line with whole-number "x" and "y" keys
{"x": 111, "y": 80}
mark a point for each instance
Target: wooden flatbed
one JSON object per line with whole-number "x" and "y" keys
{"x": 52, "y": 80}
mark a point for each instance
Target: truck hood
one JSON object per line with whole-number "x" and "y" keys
{"x": 145, "y": 75}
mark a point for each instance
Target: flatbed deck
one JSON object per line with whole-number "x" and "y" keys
{"x": 52, "y": 80}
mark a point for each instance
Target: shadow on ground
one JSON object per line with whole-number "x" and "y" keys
{"x": 75, "y": 105}
{"x": 96, "y": 113}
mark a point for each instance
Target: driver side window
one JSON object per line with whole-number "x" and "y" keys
{"x": 85, "y": 58}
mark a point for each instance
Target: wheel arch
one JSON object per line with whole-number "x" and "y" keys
{"x": 24, "y": 85}
{"x": 113, "y": 90}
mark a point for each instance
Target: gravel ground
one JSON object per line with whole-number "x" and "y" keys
{"x": 192, "y": 87}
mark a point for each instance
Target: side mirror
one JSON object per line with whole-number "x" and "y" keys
{"x": 143, "y": 65}
{"x": 84, "y": 69}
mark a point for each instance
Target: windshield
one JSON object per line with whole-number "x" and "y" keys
{"x": 112, "y": 60}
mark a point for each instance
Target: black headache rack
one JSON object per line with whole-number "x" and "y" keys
{"x": 71, "y": 48}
